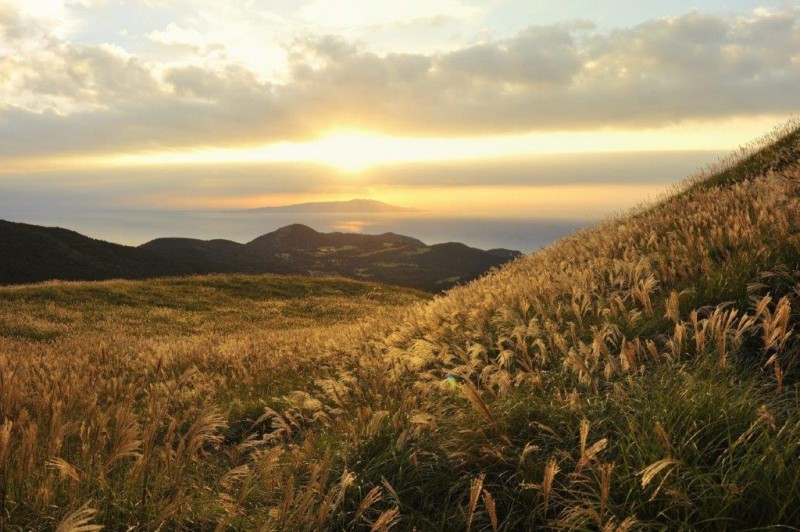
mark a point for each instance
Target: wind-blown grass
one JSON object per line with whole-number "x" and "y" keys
{"x": 642, "y": 374}
{"x": 129, "y": 401}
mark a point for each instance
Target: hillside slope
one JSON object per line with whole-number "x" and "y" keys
{"x": 189, "y": 306}
{"x": 32, "y": 253}
{"x": 643, "y": 374}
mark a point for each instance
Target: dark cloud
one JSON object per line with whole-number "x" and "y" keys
{"x": 168, "y": 186}
{"x": 538, "y": 55}
{"x": 546, "y": 78}
{"x": 658, "y": 168}
{"x": 157, "y": 186}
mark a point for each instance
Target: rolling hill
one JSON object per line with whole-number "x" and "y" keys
{"x": 643, "y": 374}
{"x": 217, "y": 304}
{"x": 32, "y": 253}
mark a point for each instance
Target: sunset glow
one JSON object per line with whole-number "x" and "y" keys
{"x": 352, "y": 152}
{"x": 355, "y": 151}
{"x": 451, "y": 106}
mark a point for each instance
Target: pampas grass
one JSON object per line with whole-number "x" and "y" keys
{"x": 642, "y": 374}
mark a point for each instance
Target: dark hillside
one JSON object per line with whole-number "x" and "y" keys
{"x": 32, "y": 253}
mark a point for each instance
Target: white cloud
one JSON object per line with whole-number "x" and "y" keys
{"x": 86, "y": 4}
{"x": 354, "y": 13}
{"x": 220, "y": 33}
{"x": 173, "y": 34}
{"x": 54, "y": 15}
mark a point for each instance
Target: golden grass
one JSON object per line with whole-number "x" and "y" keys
{"x": 114, "y": 395}
{"x": 641, "y": 374}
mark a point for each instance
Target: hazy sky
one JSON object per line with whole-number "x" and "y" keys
{"x": 497, "y": 106}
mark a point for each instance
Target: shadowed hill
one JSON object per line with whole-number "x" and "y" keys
{"x": 387, "y": 258}
{"x": 32, "y": 253}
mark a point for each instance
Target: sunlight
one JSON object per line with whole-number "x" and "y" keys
{"x": 352, "y": 151}
{"x": 346, "y": 150}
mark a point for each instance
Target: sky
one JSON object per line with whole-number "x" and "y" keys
{"x": 499, "y": 108}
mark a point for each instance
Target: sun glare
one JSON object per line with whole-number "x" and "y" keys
{"x": 351, "y": 152}
{"x": 348, "y": 151}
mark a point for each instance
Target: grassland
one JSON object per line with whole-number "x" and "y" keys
{"x": 642, "y": 374}
{"x": 84, "y": 364}
{"x": 190, "y": 306}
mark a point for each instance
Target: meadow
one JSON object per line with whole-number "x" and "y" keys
{"x": 641, "y": 374}
{"x": 132, "y": 394}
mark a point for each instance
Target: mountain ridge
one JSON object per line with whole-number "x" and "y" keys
{"x": 37, "y": 253}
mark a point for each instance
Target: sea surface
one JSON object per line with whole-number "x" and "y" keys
{"x": 134, "y": 227}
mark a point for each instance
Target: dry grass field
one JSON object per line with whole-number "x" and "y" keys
{"x": 133, "y": 395}
{"x": 642, "y": 374}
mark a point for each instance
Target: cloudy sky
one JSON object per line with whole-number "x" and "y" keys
{"x": 551, "y": 107}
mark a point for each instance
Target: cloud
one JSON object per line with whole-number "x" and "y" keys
{"x": 537, "y": 55}
{"x": 349, "y": 13}
{"x": 86, "y": 4}
{"x": 171, "y": 185}
{"x": 658, "y": 168}
{"x": 10, "y": 24}
{"x": 656, "y": 73}
{"x": 17, "y": 29}
{"x": 162, "y": 187}
{"x": 173, "y": 34}
{"x": 66, "y": 97}
{"x": 102, "y": 75}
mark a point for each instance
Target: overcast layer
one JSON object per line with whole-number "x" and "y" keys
{"x": 90, "y": 76}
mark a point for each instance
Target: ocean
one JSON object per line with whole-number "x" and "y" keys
{"x": 134, "y": 227}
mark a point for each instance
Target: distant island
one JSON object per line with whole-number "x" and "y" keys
{"x": 33, "y": 253}
{"x": 353, "y": 206}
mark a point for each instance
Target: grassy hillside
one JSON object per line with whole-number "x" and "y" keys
{"x": 32, "y": 253}
{"x": 82, "y": 364}
{"x": 188, "y": 306}
{"x": 639, "y": 375}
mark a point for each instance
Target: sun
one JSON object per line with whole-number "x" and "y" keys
{"x": 347, "y": 151}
